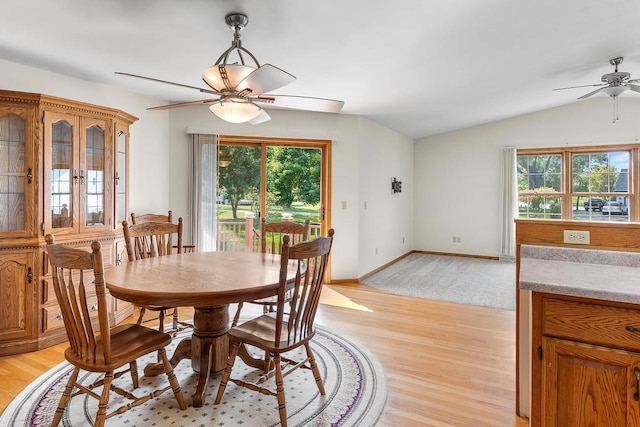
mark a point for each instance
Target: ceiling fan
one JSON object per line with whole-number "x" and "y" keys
{"x": 240, "y": 89}
{"x": 614, "y": 84}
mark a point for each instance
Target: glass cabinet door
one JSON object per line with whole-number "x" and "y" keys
{"x": 94, "y": 178}
{"x": 77, "y": 173}
{"x": 96, "y": 174}
{"x": 17, "y": 176}
{"x": 121, "y": 175}
{"x": 63, "y": 175}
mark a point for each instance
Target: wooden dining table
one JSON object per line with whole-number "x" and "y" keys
{"x": 208, "y": 282}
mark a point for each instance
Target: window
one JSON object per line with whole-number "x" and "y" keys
{"x": 582, "y": 183}
{"x": 540, "y": 186}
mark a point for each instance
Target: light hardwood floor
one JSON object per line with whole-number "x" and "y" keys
{"x": 446, "y": 364}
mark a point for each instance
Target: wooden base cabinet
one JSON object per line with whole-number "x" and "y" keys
{"x": 17, "y": 297}
{"x": 586, "y": 369}
{"x": 63, "y": 170}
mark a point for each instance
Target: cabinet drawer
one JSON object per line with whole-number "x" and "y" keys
{"x": 592, "y": 323}
{"x": 52, "y": 316}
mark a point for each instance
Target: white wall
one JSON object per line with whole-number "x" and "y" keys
{"x": 149, "y": 185}
{"x": 457, "y": 174}
{"x": 364, "y": 157}
{"x": 386, "y": 219}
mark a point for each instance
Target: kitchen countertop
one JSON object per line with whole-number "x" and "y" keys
{"x": 597, "y": 274}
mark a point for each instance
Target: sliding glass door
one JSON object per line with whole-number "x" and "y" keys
{"x": 255, "y": 177}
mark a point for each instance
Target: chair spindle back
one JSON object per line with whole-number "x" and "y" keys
{"x": 272, "y": 234}
{"x": 74, "y": 270}
{"x": 310, "y": 259}
{"x": 151, "y": 239}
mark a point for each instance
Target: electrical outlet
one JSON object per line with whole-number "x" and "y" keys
{"x": 576, "y": 237}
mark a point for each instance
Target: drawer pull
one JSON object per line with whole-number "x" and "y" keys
{"x": 636, "y": 395}
{"x": 59, "y": 316}
{"x": 94, "y": 307}
{"x": 632, "y": 328}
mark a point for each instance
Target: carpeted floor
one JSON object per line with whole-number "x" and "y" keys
{"x": 354, "y": 381}
{"x": 463, "y": 280}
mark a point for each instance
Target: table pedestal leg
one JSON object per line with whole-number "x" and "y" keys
{"x": 182, "y": 351}
{"x": 209, "y": 345}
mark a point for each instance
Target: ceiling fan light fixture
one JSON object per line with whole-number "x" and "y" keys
{"x": 235, "y": 111}
{"x": 224, "y": 77}
{"x": 239, "y": 88}
{"x": 614, "y": 90}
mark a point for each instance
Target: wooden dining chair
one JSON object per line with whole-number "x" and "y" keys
{"x": 283, "y": 332}
{"x": 151, "y": 239}
{"x": 271, "y": 239}
{"x": 151, "y": 217}
{"x": 138, "y": 219}
{"x": 93, "y": 345}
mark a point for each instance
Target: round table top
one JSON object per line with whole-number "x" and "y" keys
{"x": 200, "y": 279}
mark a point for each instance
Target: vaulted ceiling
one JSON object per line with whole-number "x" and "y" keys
{"x": 420, "y": 67}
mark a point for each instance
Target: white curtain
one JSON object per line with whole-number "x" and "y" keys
{"x": 203, "y": 181}
{"x": 509, "y": 204}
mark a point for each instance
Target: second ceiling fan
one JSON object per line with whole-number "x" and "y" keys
{"x": 241, "y": 89}
{"x": 613, "y": 85}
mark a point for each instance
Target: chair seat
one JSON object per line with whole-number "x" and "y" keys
{"x": 128, "y": 342}
{"x": 156, "y": 307}
{"x": 260, "y": 332}
{"x": 266, "y": 301}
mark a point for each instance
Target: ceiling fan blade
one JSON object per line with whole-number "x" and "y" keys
{"x": 211, "y": 91}
{"x": 301, "y": 103}
{"x": 634, "y": 88}
{"x": 575, "y": 87}
{"x": 260, "y": 118}
{"x": 265, "y": 79}
{"x": 182, "y": 104}
{"x": 591, "y": 93}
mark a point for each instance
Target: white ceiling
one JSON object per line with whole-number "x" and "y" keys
{"x": 420, "y": 67}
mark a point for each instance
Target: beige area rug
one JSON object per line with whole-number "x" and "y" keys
{"x": 462, "y": 280}
{"x": 354, "y": 380}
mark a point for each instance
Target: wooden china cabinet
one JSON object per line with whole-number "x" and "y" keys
{"x": 63, "y": 171}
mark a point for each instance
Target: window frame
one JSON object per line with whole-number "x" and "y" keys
{"x": 566, "y": 193}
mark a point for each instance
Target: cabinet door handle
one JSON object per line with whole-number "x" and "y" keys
{"x": 29, "y": 176}
{"x": 29, "y": 275}
{"x": 75, "y": 176}
{"x": 636, "y": 395}
{"x": 59, "y": 316}
{"x": 632, "y": 328}
{"x": 81, "y": 176}
{"x": 94, "y": 308}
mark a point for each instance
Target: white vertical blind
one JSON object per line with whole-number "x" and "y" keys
{"x": 509, "y": 203}
{"x": 205, "y": 152}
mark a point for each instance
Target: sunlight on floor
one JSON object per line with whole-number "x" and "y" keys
{"x": 332, "y": 297}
